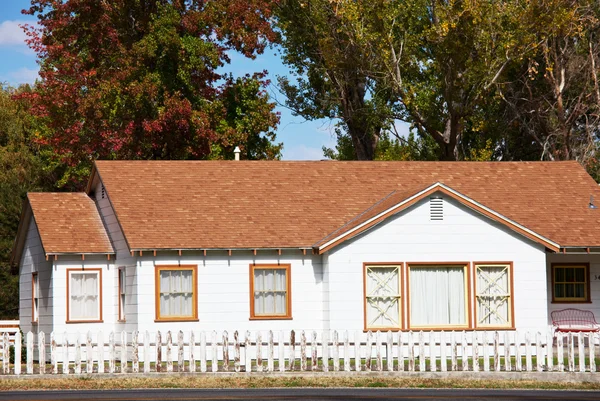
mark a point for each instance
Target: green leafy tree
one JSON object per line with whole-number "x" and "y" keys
{"x": 21, "y": 170}
{"x": 332, "y": 68}
{"x": 138, "y": 79}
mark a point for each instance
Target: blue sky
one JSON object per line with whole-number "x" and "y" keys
{"x": 302, "y": 140}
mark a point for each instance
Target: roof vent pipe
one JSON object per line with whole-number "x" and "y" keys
{"x": 591, "y": 205}
{"x": 237, "y": 152}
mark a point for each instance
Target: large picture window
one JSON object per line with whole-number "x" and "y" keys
{"x": 270, "y": 292}
{"x": 176, "y": 293}
{"x": 493, "y": 295}
{"x": 84, "y": 295}
{"x": 570, "y": 283}
{"x": 383, "y": 297}
{"x": 438, "y": 296}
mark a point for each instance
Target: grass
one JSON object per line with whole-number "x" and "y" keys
{"x": 244, "y": 381}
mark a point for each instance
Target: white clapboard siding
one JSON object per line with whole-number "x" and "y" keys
{"x": 178, "y": 351}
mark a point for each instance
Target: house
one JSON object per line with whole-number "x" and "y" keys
{"x": 318, "y": 245}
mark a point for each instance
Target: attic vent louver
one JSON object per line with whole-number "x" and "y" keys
{"x": 436, "y": 208}
{"x": 103, "y": 192}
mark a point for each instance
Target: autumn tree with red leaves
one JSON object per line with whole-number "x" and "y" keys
{"x": 139, "y": 79}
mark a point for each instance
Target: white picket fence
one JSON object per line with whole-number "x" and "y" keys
{"x": 269, "y": 352}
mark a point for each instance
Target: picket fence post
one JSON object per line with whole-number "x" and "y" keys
{"x": 215, "y": 352}
{"x": 203, "y": 350}
{"x": 135, "y": 356}
{"x": 325, "y": 351}
{"x": 336, "y": 352}
{"x": 259, "y": 361}
{"x": 225, "y": 352}
{"x": 65, "y": 352}
{"x": 443, "y": 361}
{"x": 303, "y": 359}
{"x": 314, "y": 356}
{"x": 357, "y": 354}
{"x": 100, "y": 338}
{"x": 486, "y": 352}
{"x": 30, "y": 353}
{"x": 271, "y": 353}
{"x": 77, "y": 353}
{"x": 192, "y": 347}
{"x": 389, "y": 352}
{"x": 18, "y": 344}
{"x": 89, "y": 364}
{"x": 236, "y": 356}
{"x": 147, "y": 352}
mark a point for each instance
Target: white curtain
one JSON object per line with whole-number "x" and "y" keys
{"x": 437, "y": 296}
{"x": 493, "y": 295}
{"x": 84, "y": 300}
{"x": 270, "y": 292}
{"x": 176, "y": 293}
{"x": 383, "y": 293}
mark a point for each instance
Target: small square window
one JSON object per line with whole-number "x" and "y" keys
{"x": 84, "y": 295}
{"x": 176, "y": 293}
{"x": 570, "y": 283}
{"x": 270, "y": 295}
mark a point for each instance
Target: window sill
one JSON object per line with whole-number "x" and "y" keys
{"x": 271, "y": 318}
{"x": 571, "y": 302}
{"x": 382, "y": 329}
{"x": 84, "y": 321}
{"x": 175, "y": 320}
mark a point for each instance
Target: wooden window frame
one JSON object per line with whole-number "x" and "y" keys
{"x": 122, "y": 285}
{"x": 158, "y": 317}
{"x": 84, "y": 270}
{"x": 288, "y": 280}
{"x": 587, "y": 298}
{"x": 468, "y": 296}
{"x": 35, "y": 287}
{"x": 511, "y": 308}
{"x": 401, "y": 301}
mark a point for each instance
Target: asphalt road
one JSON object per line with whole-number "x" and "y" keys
{"x": 304, "y": 394}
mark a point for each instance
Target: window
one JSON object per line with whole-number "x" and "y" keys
{"x": 382, "y": 297}
{"x": 493, "y": 295}
{"x": 270, "y": 292}
{"x": 438, "y": 296}
{"x": 35, "y": 296}
{"x": 84, "y": 295}
{"x": 176, "y": 293}
{"x": 570, "y": 283}
{"x": 122, "y": 294}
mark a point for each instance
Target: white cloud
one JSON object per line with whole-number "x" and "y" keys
{"x": 23, "y": 76}
{"x": 11, "y": 34}
{"x": 302, "y": 152}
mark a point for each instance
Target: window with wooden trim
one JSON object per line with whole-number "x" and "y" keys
{"x": 270, "y": 292}
{"x": 84, "y": 295}
{"x": 176, "y": 293}
{"x": 122, "y": 289}
{"x": 383, "y": 297}
{"x": 493, "y": 295}
{"x": 570, "y": 283}
{"x": 438, "y": 296}
{"x": 35, "y": 298}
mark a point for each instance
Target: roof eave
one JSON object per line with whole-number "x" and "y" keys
{"x": 19, "y": 243}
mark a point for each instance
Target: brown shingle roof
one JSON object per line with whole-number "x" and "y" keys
{"x": 226, "y": 204}
{"x": 69, "y": 223}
